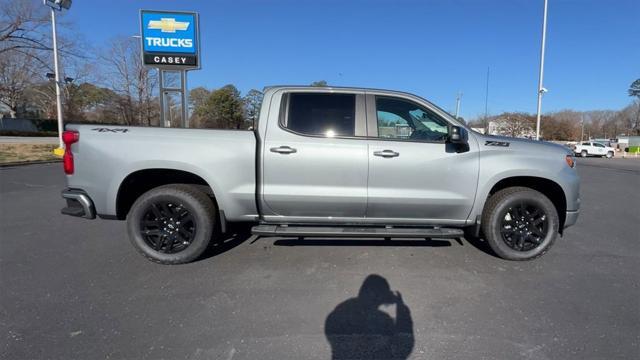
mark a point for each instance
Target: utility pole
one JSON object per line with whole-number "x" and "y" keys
{"x": 541, "y": 89}
{"x": 458, "y": 98}
{"x": 582, "y": 125}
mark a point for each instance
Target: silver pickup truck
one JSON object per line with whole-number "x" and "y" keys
{"x": 323, "y": 162}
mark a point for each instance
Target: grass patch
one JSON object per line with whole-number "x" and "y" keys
{"x": 11, "y": 153}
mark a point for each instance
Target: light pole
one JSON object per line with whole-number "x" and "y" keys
{"x": 57, "y": 5}
{"x": 541, "y": 89}
{"x": 458, "y": 98}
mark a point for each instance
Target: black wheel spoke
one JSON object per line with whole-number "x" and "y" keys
{"x": 507, "y": 231}
{"x": 167, "y": 227}
{"x": 151, "y": 223}
{"x": 156, "y": 211}
{"x": 159, "y": 242}
{"x": 524, "y": 226}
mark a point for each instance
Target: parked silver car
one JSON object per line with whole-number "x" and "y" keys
{"x": 323, "y": 162}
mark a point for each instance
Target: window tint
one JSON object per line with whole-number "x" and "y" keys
{"x": 586, "y": 144}
{"x": 401, "y": 119}
{"x": 322, "y": 114}
{"x": 598, "y": 145}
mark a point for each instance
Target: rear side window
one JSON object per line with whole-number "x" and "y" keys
{"x": 586, "y": 144}
{"x": 322, "y": 114}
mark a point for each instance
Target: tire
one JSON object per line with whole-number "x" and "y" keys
{"x": 584, "y": 153}
{"x": 178, "y": 222}
{"x": 609, "y": 154}
{"x": 504, "y": 231}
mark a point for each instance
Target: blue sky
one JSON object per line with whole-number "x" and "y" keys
{"x": 430, "y": 48}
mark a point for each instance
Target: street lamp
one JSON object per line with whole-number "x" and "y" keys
{"x": 57, "y": 5}
{"x": 541, "y": 89}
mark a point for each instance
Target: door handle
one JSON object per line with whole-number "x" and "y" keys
{"x": 386, "y": 153}
{"x": 283, "y": 150}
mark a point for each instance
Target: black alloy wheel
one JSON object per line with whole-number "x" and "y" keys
{"x": 172, "y": 224}
{"x": 168, "y": 227}
{"x": 524, "y": 226}
{"x": 520, "y": 223}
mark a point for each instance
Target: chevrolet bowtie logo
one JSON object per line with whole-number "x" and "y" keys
{"x": 167, "y": 25}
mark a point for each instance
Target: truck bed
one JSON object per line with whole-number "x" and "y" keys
{"x": 225, "y": 159}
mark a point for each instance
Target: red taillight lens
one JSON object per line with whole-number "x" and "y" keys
{"x": 67, "y": 162}
{"x": 69, "y": 138}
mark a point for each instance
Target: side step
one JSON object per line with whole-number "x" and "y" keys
{"x": 326, "y": 231}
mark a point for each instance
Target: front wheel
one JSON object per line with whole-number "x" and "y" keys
{"x": 584, "y": 153}
{"x": 520, "y": 223}
{"x": 171, "y": 224}
{"x": 609, "y": 154}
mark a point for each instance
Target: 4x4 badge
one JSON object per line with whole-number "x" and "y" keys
{"x": 110, "y": 130}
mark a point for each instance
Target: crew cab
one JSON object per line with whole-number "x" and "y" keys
{"x": 323, "y": 162}
{"x": 591, "y": 148}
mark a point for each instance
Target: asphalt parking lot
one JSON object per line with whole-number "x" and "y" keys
{"x": 76, "y": 289}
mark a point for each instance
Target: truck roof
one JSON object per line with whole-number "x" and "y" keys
{"x": 351, "y": 88}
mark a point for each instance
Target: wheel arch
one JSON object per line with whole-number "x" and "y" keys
{"x": 140, "y": 181}
{"x": 549, "y": 188}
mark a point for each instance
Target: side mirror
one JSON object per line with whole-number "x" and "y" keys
{"x": 457, "y": 135}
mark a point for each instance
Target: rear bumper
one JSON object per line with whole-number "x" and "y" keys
{"x": 571, "y": 218}
{"x": 78, "y": 204}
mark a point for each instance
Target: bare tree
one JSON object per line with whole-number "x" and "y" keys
{"x": 516, "y": 124}
{"x": 128, "y": 77}
{"x": 252, "y": 103}
{"x": 23, "y": 26}
{"x": 17, "y": 73}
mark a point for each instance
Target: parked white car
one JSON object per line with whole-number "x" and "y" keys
{"x": 585, "y": 149}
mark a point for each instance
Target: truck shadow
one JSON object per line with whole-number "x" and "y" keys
{"x": 480, "y": 244}
{"x": 235, "y": 235}
{"x": 362, "y": 242}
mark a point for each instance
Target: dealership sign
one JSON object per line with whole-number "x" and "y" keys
{"x": 170, "y": 39}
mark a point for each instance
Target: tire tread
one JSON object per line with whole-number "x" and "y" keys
{"x": 489, "y": 212}
{"x": 204, "y": 200}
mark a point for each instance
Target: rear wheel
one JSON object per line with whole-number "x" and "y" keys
{"x": 171, "y": 224}
{"x": 584, "y": 153}
{"x": 520, "y": 223}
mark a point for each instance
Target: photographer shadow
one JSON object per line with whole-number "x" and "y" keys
{"x": 358, "y": 329}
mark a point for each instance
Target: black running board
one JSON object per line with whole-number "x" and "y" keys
{"x": 349, "y": 232}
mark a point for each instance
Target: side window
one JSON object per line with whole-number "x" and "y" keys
{"x": 405, "y": 120}
{"x": 322, "y": 114}
{"x": 586, "y": 144}
{"x": 598, "y": 145}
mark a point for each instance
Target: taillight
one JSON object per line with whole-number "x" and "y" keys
{"x": 69, "y": 137}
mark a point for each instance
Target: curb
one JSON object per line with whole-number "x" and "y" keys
{"x": 22, "y": 163}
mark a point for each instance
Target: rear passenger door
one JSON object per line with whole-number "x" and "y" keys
{"x": 315, "y": 162}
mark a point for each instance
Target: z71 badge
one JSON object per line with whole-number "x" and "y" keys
{"x": 496, "y": 143}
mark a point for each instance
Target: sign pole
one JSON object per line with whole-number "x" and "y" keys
{"x": 163, "y": 120}
{"x": 185, "y": 106}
